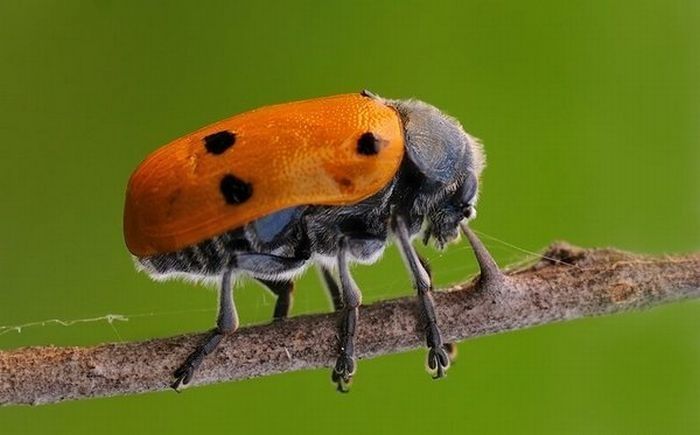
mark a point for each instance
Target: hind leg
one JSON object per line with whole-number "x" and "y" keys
{"x": 284, "y": 290}
{"x": 263, "y": 266}
{"x": 332, "y": 288}
{"x": 227, "y": 320}
{"x": 345, "y": 364}
{"x": 226, "y": 323}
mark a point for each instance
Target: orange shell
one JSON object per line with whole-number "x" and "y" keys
{"x": 299, "y": 153}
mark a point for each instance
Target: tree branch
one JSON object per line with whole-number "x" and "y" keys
{"x": 569, "y": 283}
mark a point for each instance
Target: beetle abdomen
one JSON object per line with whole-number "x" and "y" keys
{"x": 208, "y": 258}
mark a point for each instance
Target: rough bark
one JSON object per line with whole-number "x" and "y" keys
{"x": 568, "y": 283}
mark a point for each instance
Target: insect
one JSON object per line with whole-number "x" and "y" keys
{"x": 328, "y": 182}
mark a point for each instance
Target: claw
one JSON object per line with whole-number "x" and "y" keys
{"x": 177, "y": 383}
{"x": 343, "y": 371}
{"x": 345, "y": 366}
{"x": 342, "y": 384}
{"x": 438, "y": 362}
{"x": 183, "y": 375}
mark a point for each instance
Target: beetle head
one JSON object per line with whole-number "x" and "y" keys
{"x": 447, "y": 162}
{"x": 437, "y": 144}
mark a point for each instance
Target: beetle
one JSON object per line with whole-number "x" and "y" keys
{"x": 327, "y": 181}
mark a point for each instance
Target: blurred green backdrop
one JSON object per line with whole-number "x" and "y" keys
{"x": 590, "y": 113}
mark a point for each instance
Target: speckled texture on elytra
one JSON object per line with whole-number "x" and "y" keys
{"x": 289, "y": 154}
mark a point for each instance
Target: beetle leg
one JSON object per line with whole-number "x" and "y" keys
{"x": 332, "y": 287}
{"x": 283, "y": 289}
{"x": 451, "y": 348}
{"x": 226, "y": 323}
{"x": 265, "y": 268}
{"x": 438, "y": 358}
{"x": 345, "y": 364}
{"x": 267, "y": 265}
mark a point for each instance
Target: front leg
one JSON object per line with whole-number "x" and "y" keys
{"x": 345, "y": 364}
{"x": 451, "y": 348}
{"x": 438, "y": 358}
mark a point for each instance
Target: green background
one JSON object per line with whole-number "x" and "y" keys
{"x": 590, "y": 114}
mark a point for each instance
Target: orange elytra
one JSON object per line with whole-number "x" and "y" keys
{"x": 300, "y": 153}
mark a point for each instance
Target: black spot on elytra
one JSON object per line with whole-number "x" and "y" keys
{"x": 217, "y": 143}
{"x": 368, "y": 144}
{"x": 235, "y": 190}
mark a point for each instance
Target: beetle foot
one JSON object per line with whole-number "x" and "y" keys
{"x": 183, "y": 375}
{"x": 438, "y": 353}
{"x": 438, "y": 362}
{"x": 343, "y": 372}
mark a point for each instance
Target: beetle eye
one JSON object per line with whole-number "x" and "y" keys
{"x": 469, "y": 211}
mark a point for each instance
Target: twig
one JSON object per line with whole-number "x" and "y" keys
{"x": 568, "y": 283}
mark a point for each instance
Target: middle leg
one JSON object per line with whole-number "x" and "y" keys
{"x": 345, "y": 364}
